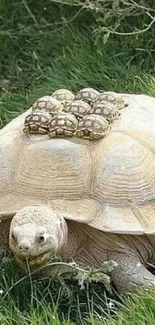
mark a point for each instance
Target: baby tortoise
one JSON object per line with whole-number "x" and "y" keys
{"x": 63, "y": 95}
{"x": 89, "y": 95}
{"x": 63, "y": 125}
{"x": 106, "y": 109}
{"x": 92, "y": 127}
{"x": 47, "y": 104}
{"x": 112, "y": 98}
{"x": 37, "y": 123}
{"x": 78, "y": 108}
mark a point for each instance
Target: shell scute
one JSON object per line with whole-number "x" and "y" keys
{"x": 64, "y": 124}
{"x": 106, "y": 109}
{"x": 63, "y": 95}
{"x": 37, "y": 122}
{"x": 78, "y": 108}
{"x": 87, "y": 94}
{"x": 92, "y": 127}
{"x": 113, "y": 98}
{"x": 47, "y": 104}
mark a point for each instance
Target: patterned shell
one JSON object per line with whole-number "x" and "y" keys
{"x": 93, "y": 123}
{"x": 64, "y": 121}
{"x": 48, "y": 104}
{"x": 63, "y": 95}
{"x": 111, "y": 97}
{"x": 39, "y": 118}
{"x": 108, "y": 110}
{"x": 78, "y": 107}
{"x": 87, "y": 94}
{"x": 37, "y": 122}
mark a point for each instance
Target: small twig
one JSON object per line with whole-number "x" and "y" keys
{"x": 141, "y": 31}
{"x": 142, "y": 7}
{"x": 77, "y": 4}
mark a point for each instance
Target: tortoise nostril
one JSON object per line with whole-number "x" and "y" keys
{"x": 24, "y": 246}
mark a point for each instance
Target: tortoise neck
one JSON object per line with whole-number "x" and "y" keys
{"x": 76, "y": 239}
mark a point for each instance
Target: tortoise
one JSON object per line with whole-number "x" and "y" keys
{"x": 90, "y": 201}
{"x": 37, "y": 123}
{"x": 62, "y": 125}
{"x": 63, "y": 95}
{"x": 93, "y": 127}
{"x": 47, "y": 104}
{"x": 106, "y": 109}
{"x": 89, "y": 95}
{"x": 113, "y": 98}
{"x": 78, "y": 108}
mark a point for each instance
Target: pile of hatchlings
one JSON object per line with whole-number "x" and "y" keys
{"x": 88, "y": 114}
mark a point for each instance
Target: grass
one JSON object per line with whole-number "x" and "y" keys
{"x": 40, "y": 52}
{"x": 31, "y": 301}
{"x": 80, "y": 64}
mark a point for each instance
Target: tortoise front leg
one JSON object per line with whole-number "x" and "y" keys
{"x": 68, "y": 133}
{"x": 130, "y": 273}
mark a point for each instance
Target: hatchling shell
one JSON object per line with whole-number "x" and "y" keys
{"x": 63, "y": 124}
{"x": 37, "y": 123}
{"x": 112, "y": 97}
{"x": 63, "y": 95}
{"x": 47, "y": 104}
{"x": 92, "y": 127}
{"x": 78, "y": 107}
{"x": 106, "y": 109}
{"x": 87, "y": 94}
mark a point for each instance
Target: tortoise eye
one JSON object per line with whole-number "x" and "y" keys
{"x": 41, "y": 239}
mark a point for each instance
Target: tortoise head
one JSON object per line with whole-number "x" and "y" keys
{"x": 37, "y": 234}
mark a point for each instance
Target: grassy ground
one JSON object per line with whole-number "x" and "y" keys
{"x": 30, "y": 301}
{"x": 40, "y": 52}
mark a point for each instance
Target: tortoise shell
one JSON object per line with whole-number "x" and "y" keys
{"x": 62, "y": 125}
{"x": 92, "y": 127}
{"x": 89, "y": 95}
{"x": 107, "y": 184}
{"x": 108, "y": 110}
{"x": 78, "y": 107}
{"x": 37, "y": 123}
{"x": 63, "y": 95}
{"x": 112, "y": 98}
{"x": 47, "y": 104}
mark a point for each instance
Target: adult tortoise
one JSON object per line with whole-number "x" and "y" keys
{"x": 92, "y": 201}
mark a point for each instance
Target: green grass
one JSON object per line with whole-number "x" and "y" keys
{"x": 25, "y": 294}
{"x": 40, "y": 53}
{"x": 79, "y": 64}
{"x": 31, "y": 301}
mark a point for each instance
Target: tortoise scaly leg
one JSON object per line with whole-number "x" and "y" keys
{"x": 69, "y": 133}
{"x": 80, "y": 134}
{"x": 130, "y": 273}
{"x": 52, "y": 134}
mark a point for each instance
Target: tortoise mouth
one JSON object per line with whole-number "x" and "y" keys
{"x": 33, "y": 261}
